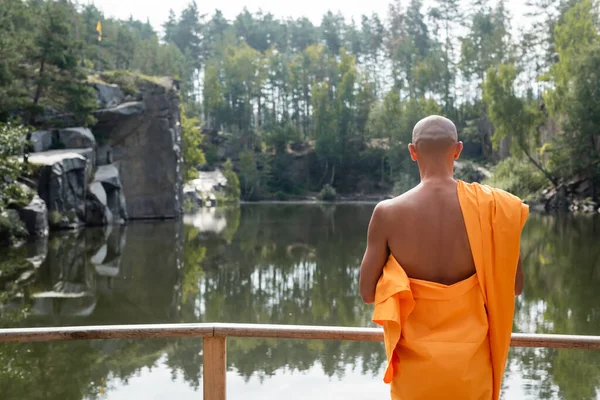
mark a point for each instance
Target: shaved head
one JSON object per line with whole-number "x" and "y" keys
{"x": 435, "y": 128}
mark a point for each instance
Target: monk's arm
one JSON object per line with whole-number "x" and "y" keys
{"x": 520, "y": 278}
{"x": 375, "y": 256}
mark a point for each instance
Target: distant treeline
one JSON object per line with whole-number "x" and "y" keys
{"x": 298, "y": 106}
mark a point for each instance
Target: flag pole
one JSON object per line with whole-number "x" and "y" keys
{"x": 99, "y": 30}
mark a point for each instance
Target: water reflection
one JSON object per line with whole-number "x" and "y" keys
{"x": 287, "y": 264}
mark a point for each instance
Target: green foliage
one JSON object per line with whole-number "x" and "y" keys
{"x": 519, "y": 177}
{"x": 11, "y": 166}
{"x": 54, "y": 218}
{"x": 572, "y": 37}
{"x": 345, "y": 92}
{"x": 468, "y": 172}
{"x": 11, "y": 228}
{"x": 253, "y": 175}
{"x": 232, "y": 190}
{"x": 194, "y": 254}
{"x": 191, "y": 138}
{"x": 328, "y": 193}
{"x": 514, "y": 117}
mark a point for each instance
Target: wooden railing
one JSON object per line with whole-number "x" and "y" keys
{"x": 215, "y": 337}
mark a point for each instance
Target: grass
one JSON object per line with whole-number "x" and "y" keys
{"x": 128, "y": 81}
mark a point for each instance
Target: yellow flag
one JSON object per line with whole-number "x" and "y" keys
{"x": 99, "y": 30}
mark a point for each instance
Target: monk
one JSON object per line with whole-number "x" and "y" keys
{"x": 443, "y": 267}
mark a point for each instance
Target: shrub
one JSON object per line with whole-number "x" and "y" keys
{"x": 328, "y": 193}
{"x": 519, "y": 177}
{"x": 232, "y": 190}
{"x": 11, "y": 228}
{"x": 469, "y": 172}
{"x": 11, "y": 166}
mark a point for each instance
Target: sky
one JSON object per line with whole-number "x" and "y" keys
{"x": 157, "y": 11}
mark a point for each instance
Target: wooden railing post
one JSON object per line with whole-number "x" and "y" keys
{"x": 214, "y": 361}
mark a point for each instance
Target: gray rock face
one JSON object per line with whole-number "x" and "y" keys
{"x": 104, "y": 155}
{"x": 41, "y": 141}
{"x": 108, "y": 96}
{"x": 62, "y": 185}
{"x": 123, "y": 110}
{"x": 105, "y": 201}
{"x": 69, "y": 138}
{"x": 76, "y": 138}
{"x": 108, "y": 176}
{"x": 145, "y": 138}
{"x": 35, "y": 217}
{"x": 96, "y": 212}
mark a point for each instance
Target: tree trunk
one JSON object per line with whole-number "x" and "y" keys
{"x": 32, "y": 113}
{"x": 542, "y": 169}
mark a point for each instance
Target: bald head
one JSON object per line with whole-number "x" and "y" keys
{"x": 435, "y": 129}
{"x": 435, "y": 142}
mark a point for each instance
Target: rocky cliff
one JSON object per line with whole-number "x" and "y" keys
{"x": 142, "y": 136}
{"x": 127, "y": 166}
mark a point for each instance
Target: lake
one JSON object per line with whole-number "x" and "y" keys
{"x": 281, "y": 264}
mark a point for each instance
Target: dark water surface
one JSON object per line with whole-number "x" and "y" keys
{"x": 284, "y": 264}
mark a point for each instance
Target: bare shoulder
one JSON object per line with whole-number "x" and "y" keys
{"x": 393, "y": 206}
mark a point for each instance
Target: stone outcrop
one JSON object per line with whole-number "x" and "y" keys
{"x": 76, "y": 138}
{"x": 201, "y": 192}
{"x": 144, "y": 139}
{"x": 108, "y": 95}
{"x": 35, "y": 217}
{"x": 62, "y": 184}
{"x": 574, "y": 195}
{"x": 83, "y": 176}
{"x": 68, "y": 138}
{"x": 105, "y": 202}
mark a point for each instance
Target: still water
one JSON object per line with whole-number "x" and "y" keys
{"x": 283, "y": 264}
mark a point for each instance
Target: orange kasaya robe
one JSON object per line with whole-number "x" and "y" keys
{"x": 451, "y": 342}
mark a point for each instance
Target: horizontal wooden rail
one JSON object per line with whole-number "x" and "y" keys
{"x": 258, "y": 331}
{"x": 215, "y": 340}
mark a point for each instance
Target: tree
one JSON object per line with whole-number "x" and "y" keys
{"x": 191, "y": 138}
{"x": 446, "y": 14}
{"x": 11, "y": 167}
{"x": 512, "y": 116}
{"x": 577, "y": 152}
{"x": 573, "y": 37}
{"x": 59, "y": 83}
{"x": 15, "y": 42}
{"x": 332, "y": 31}
{"x": 232, "y": 190}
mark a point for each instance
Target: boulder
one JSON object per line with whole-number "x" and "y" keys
{"x": 68, "y": 138}
{"x": 109, "y": 177}
{"x": 76, "y": 138}
{"x": 105, "y": 202}
{"x": 145, "y": 138}
{"x": 108, "y": 96}
{"x": 41, "y": 141}
{"x": 35, "y": 217}
{"x": 96, "y": 211}
{"x": 62, "y": 185}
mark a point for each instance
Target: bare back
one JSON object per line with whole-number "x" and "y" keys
{"x": 426, "y": 233}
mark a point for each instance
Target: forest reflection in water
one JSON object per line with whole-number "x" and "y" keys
{"x": 284, "y": 264}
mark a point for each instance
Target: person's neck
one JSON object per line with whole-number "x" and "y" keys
{"x": 436, "y": 175}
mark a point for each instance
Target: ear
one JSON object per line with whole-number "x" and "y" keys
{"x": 412, "y": 149}
{"x": 458, "y": 150}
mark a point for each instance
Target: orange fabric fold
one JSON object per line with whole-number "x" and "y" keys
{"x": 393, "y": 304}
{"x": 445, "y": 341}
